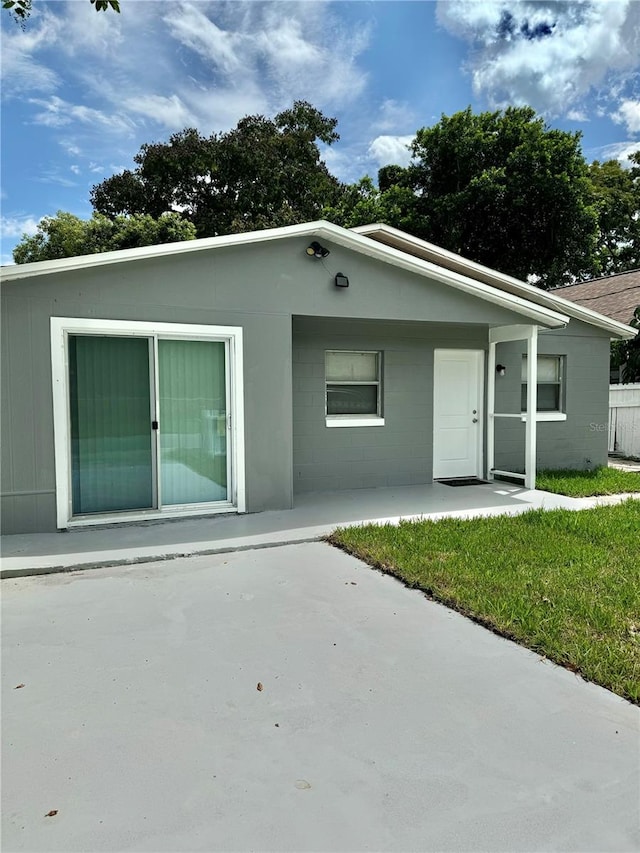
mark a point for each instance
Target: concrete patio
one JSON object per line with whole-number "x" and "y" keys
{"x": 132, "y": 719}
{"x": 313, "y": 517}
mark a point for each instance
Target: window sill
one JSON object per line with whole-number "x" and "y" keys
{"x": 546, "y": 416}
{"x": 353, "y": 421}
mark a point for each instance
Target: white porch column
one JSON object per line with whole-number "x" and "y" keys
{"x": 491, "y": 408}
{"x": 502, "y": 334}
{"x": 532, "y": 409}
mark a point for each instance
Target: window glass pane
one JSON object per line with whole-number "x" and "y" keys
{"x": 110, "y": 406}
{"x": 548, "y": 398}
{"x": 193, "y": 418}
{"x": 352, "y": 366}
{"x": 352, "y": 399}
{"x": 548, "y": 368}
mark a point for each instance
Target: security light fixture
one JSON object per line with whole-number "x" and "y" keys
{"x": 341, "y": 280}
{"x": 315, "y": 250}
{"x": 501, "y": 369}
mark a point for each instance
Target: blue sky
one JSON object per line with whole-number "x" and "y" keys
{"x": 83, "y": 90}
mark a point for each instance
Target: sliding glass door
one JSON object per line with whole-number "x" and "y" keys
{"x": 149, "y": 423}
{"x": 193, "y": 421}
{"x": 111, "y": 418}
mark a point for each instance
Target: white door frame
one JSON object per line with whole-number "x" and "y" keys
{"x": 479, "y": 374}
{"x": 61, "y": 328}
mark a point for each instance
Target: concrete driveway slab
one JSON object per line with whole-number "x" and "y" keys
{"x": 385, "y": 722}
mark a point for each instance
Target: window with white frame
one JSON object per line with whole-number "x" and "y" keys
{"x": 549, "y": 385}
{"x": 353, "y": 386}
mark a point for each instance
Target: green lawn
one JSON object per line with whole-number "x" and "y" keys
{"x": 584, "y": 484}
{"x": 565, "y": 584}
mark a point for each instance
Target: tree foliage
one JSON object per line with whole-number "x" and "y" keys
{"x": 21, "y": 9}
{"x": 262, "y": 173}
{"x": 500, "y": 188}
{"x": 626, "y": 354}
{"x": 616, "y": 194}
{"x": 65, "y": 235}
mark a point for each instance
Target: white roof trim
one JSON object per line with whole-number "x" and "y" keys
{"x": 349, "y": 238}
{"x": 493, "y": 277}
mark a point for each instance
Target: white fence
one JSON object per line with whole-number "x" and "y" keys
{"x": 624, "y": 419}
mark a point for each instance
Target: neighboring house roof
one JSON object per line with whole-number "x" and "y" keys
{"x": 376, "y": 241}
{"x": 616, "y": 296}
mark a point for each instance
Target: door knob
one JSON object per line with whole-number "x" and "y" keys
{"x": 475, "y": 421}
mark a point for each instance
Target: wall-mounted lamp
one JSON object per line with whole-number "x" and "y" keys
{"x": 341, "y": 280}
{"x": 315, "y": 250}
{"x": 501, "y": 369}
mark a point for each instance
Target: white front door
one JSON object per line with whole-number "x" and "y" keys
{"x": 457, "y": 413}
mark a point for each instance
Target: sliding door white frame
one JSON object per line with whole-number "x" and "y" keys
{"x": 61, "y": 328}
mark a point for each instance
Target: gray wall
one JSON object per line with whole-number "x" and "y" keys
{"x": 258, "y": 287}
{"x": 580, "y": 441}
{"x": 401, "y": 451}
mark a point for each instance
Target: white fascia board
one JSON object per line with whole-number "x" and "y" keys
{"x": 345, "y": 237}
{"x": 523, "y": 288}
{"x": 19, "y": 271}
{"x": 398, "y": 258}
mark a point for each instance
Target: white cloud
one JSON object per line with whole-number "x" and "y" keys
{"x": 16, "y": 226}
{"x": 628, "y": 114}
{"x": 577, "y": 115}
{"x": 170, "y": 112}
{"x": 57, "y": 112}
{"x": 75, "y": 169}
{"x": 618, "y": 151}
{"x": 386, "y": 150}
{"x": 394, "y": 115}
{"x": 546, "y": 54}
{"x": 283, "y": 51}
{"x": 21, "y": 71}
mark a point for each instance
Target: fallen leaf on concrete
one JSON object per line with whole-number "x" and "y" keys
{"x": 18, "y": 686}
{"x": 259, "y": 687}
{"x": 52, "y": 813}
{"x": 277, "y": 725}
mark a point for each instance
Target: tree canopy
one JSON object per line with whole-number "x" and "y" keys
{"x": 65, "y": 235}
{"x": 21, "y": 9}
{"x": 500, "y": 188}
{"x": 616, "y": 194}
{"x": 262, "y": 173}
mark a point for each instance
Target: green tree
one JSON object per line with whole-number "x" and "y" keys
{"x": 65, "y": 235}
{"x": 500, "y": 188}
{"x": 626, "y": 354}
{"x": 363, "y": 203}
{"x": 262, "y": 173}
{"x": 21, "y": 9}
{"x": 616, "y": 194}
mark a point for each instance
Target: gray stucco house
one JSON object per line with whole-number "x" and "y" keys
{"x": 231, "y": 373}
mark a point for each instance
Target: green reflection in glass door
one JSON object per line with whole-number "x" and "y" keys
{"x": 110, "y": 407}
{"x": 193, "y": 421}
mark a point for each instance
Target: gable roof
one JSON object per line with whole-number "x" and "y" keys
{"x": 616, "y": 296}
{"x": 379, "y": 242}
{"x": 449, "y": 260}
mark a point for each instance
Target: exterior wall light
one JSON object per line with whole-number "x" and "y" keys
{"x": 341, "y": 280}
{"x": 501, "y": 369}
{"x": 315, "y": 250}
